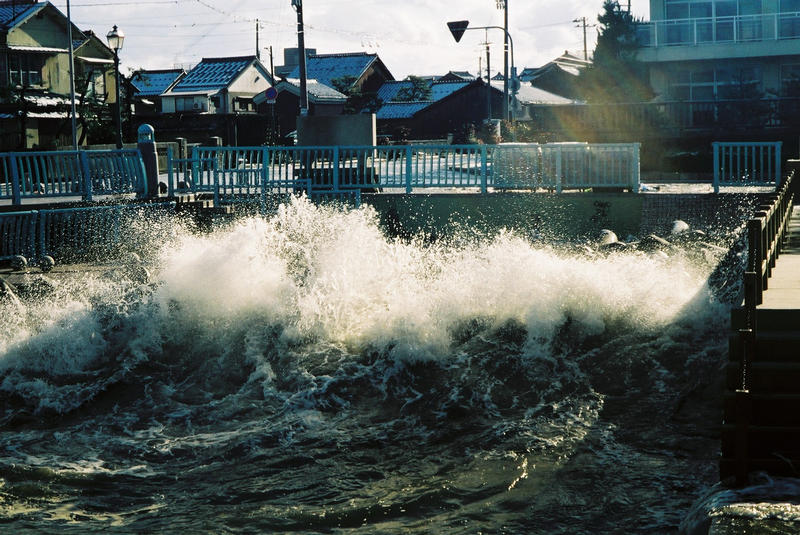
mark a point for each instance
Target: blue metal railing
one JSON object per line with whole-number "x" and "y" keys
{"x": 747, "y": 164}
{"x": 68, "y": 234}
{"x": 231, "y": 172}
{"x": 82, "y": 174}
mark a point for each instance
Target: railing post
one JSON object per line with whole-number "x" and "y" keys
{"x": 266, "y": 158}
{"x": 637, "y": 168}
{"x": 16, "y": 190}
{"x": 558, "y": 169}
{"x": 170, "y": 174}
{"x": 778, "y": 163}
{"x": 335, "y": 168}
{"x": 195, "y": 168}
{"x": 716, "y": 166}
{"x": 216, "y": 184}
{"x": 484, "y": 169}
{"x": 408, "y": 168}
{"x": 87, "y": 175}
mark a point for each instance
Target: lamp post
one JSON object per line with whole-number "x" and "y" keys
{"x": 301, "y": 46}
{"x": 115, "y": 39}
{"x": 458, "y": 27}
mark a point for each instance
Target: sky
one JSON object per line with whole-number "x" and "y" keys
{"x": 410, "y": 36}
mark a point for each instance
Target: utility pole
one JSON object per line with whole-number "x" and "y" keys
{"x": 581, "y": 22}
{"x": 488, "y": 83}
{"x": 258, "y": 50}
{"x": 503, "y": 4}
{"x": 301, "y": 46}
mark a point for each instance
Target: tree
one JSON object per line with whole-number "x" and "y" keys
{"x": 419, "y": 91}
{"x": 358, "y": 101}
{"x": 615, "y": 75}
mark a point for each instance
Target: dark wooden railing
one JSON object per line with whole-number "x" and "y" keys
{"x": 766, "y": 232}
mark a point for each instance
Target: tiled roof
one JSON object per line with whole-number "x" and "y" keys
{"x": 400, "y": 110}
{"x": 317, "y": 90}
{"x": 327, "y": 67}
{"x": 153, "y": 83}
{"x": 213, "y": 74}
{"x": 528, "y": 94}
{"x": 14, "y": 12}
{"x": 390, "y": 90}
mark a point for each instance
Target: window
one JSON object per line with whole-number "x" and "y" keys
{"x": 790, "y": 6}
{"x": 790, "y": 80}
{"x": 716, "y": 84}
{"x": 184, "y": 104}
{"x": 25, "y": 69}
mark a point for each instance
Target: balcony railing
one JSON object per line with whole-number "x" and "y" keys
{"x": 738, "y": 29}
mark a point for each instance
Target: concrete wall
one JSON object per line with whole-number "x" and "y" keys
{"x": 569, "y": 216}
{"x": 340, "y": 130}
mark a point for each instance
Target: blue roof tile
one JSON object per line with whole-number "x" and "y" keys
{"x": 153, "y": 83}
{"x": 12, "y": 13}
{"x": 400, "y": 110}
{"x": 327, "y": 67}
{"x": 213, "y": 74}
{"x": 390, "y": 91}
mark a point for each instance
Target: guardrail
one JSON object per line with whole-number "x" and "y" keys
{"x": 83, "y": 174}
{"x": 68, "y": 234}
{"x": 229, "y": 172}
{"x": 746, "y": 164}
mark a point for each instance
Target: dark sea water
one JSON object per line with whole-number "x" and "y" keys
{"x": 308, "y": 374}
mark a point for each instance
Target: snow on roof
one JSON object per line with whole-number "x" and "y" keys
{"x": 316, "y": 91}
{"x": 153, "y": 83}
{"x": 328, "y": 67}
{"x": 213, "y": 74}
{"x": 390, "y": 91}
{"x": 400, "y": 110}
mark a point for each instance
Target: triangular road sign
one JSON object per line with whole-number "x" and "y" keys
{"x": 457, "y": 28}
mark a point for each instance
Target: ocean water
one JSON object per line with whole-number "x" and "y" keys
{"x": 306, "y": 373}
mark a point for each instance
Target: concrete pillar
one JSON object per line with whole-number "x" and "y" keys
{"x": 147, "y": 146}
{"x": 182, "y": 148}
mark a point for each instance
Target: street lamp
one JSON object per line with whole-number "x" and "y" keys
{"x": 115, "y": 39}
{"x": 458, "y": 27}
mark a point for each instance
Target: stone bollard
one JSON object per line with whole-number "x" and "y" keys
{"x": 147, "y": 146}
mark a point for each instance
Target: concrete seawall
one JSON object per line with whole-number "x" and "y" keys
{"x": 566, "y": 216}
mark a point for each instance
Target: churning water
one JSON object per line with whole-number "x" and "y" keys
{"x": 306, "y": 373}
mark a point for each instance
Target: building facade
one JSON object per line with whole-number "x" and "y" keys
{"x": 722, "y": 50}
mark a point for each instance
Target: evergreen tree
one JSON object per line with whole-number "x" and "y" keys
{"x": 419, "y": 91}
{"x": 358, "y": 101}
{"x": 615, "y": 74}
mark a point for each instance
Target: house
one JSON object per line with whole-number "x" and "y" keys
{"x": 218, "y": 86}
{"x": 730, "y": 63}
{"x": 331, "y": 80}
{"x": 322, "y": 100}
{"x": 451, "y": 108}
{"x": 147, "y": 87}
{"x": 560, "y": 76}
{"x": 34, "y": 74}
{"x": 344, "y": 72}
{"x": 456, "y": 76}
